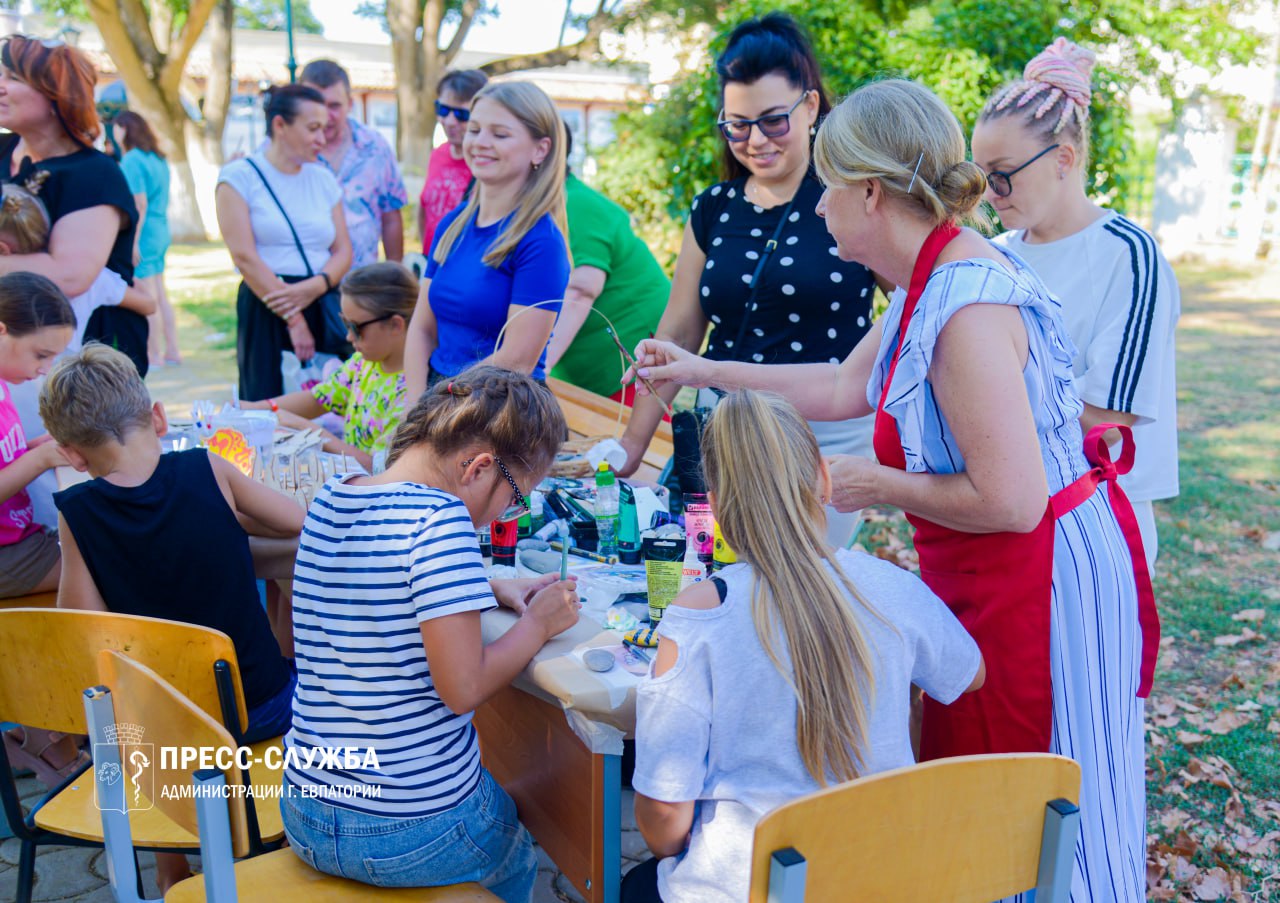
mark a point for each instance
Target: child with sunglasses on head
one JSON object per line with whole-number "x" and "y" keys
{"x": 368, "y": 390}
{"x": 24, "y": 229}
{"x": 388, "y": 591}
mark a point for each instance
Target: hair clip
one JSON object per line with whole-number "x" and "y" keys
{"x": 37, "y": 180}
{"x": 12, "y": 205}
{"x": 449, "y": 388}
{"x": 914, "y": 172}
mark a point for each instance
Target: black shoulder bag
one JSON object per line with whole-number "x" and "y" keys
{"x": 334, "y": 340}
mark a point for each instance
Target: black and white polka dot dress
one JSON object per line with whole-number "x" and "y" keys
{"x": 811, "y": 307}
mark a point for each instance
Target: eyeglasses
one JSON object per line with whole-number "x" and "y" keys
{"x": 519, "y": 506}
{"x": 355, "y": 328}
{"x": 775, "y": 125}
{"x": 1002, "y": 182}
{"x": 443, "y": 110}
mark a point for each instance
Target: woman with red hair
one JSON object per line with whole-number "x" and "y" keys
{"x": 46, "y": 101}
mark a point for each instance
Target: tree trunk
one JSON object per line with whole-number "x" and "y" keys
{"x": 419, "y": 63}
{"x": 220, "y": 85}
{"x": 153, "y": 78}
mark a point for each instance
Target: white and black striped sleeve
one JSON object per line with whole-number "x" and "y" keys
{"x": 1124, "y": 359}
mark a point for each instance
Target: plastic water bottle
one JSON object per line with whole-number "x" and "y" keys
{"x": 606, "y": 511}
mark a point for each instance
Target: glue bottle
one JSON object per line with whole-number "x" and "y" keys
{"x": 606, "y": 511}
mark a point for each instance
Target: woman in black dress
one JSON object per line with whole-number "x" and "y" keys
{"x": 46, "y": 101}
{"x": 756, "y": 262}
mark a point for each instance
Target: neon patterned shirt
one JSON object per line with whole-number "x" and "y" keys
{"x": 371, "y": 186}
{"x": 368, "y": 398}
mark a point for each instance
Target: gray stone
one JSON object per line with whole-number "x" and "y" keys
{"x": 633, "y": 846}
{"x": 62, "y": 873}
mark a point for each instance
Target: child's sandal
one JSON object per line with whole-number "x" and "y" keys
{"x": 51, "y": 755}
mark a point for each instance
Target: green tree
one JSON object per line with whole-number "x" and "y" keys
{"x": 150, "y": 46}
{"x": 962, "y": 49}
{"x": 268, "y": 15}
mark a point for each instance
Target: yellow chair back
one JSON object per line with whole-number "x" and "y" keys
{"x": 48, "y": 657}
{"x": 171, "y": 721}
{"x": 964, "y": 829}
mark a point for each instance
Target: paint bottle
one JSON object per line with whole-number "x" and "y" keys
{"x": 504, "y": 536}
{"x": 699, "y": 525}
{"x": 663, "y": 557}
{"x": 628, "y": 526}
{"x": 723, "y": 556}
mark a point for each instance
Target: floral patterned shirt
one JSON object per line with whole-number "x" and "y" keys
{"x": 371, "y": 186}
{"x": 368, "y": 398}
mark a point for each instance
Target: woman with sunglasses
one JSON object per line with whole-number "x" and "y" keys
{"x": 1119, "y": 296}
{"x": 978, "y": 441}
{"x": 367, "y": 391}
{"x": 447, "y": 172}
{"x": 388, "y": 592}
{"x": 46, "y": 102}
{"x": 756, "y": 263}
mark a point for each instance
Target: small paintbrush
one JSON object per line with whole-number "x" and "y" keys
{"x": 636, "y": 367}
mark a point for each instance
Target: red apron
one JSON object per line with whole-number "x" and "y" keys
{"x": 999, "y": 586}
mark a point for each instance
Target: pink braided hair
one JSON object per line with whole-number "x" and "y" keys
{"x": 1060, "y": 70}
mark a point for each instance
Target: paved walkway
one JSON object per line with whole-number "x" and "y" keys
{"x": 80, "y": 873}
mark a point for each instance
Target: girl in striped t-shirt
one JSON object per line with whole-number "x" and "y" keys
{"x": 388, "y": 592}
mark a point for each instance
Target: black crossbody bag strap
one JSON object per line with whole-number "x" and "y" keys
{"x": 288, "y": 222}
{"x": 754, "y": 284}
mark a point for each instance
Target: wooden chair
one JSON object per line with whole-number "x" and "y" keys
{"x": 132, "y": 694}
{"x": 975, "y": 828}
{"x": 48, "y": 657}
{"x": 35, "y": 600}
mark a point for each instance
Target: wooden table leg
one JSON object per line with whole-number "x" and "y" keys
{"x": 569, "y": 798}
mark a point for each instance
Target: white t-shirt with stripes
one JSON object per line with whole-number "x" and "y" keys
{"x": 374, "y": 562}
{"x": 1120, "y": 304}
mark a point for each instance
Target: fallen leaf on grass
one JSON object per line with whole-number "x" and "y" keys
{"x": 1186, "y": 706}
{"x": 1187, "y": 738}
{"x": 1235, "y": 639}
{"x": 1173, "y": 819}
{"x": 1182, "y": 870}
{"x": 1212, "y": 885}
{"x": 1226, "y": 722}
{"x": 1272, "y": 542}
{"x": 1273, "y": 726}
{"x": 1234, "y": 682}
{"x": 1250, "y": 614}
{"x": 1248, "y": 706}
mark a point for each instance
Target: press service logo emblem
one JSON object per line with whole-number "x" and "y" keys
{"x": 130, "y": 785}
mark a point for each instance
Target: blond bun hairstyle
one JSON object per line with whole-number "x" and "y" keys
{"x": 513, "y": 414}
{"x": 899, "y": 133}
{"x": 761, "y": 460}
{"x": 543, "y": 191}
{"x": 1052, "y": 97}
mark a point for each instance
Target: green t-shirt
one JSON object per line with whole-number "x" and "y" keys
{"x": 635, "y": 289}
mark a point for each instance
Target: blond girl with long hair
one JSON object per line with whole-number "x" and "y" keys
{"x": 785, "y": 673}
{"x": 503, "y": 253}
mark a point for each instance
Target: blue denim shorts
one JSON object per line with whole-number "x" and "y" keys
{"x": 480, "y": 840}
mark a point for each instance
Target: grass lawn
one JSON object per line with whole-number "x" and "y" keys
{"x": 1213, "y": 728}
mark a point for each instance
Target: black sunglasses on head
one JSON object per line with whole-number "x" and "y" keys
{"x": 443, "y": 110}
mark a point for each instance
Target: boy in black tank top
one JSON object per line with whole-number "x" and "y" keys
{"x": 163, "y": 535}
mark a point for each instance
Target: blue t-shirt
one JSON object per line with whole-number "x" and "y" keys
{"x": 470, "y": 299}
